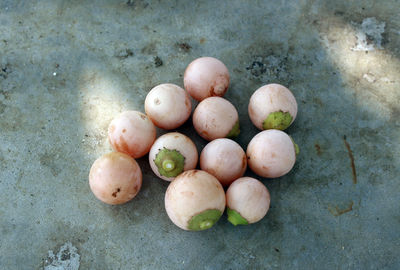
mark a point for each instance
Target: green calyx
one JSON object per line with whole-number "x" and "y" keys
{"x": 170, "y": 163}
{"x": 204, "y": 220}
{"x": 234, "y": 131}
{"x": 235, "y": 218}
{"x": 278, "y": 120}
{"x": 296, "y": 147}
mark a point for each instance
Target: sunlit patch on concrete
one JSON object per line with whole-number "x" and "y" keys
{"x": 370, "y": 73}
{"x": 102, "y": 97}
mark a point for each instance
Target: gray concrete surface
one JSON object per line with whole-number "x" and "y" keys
{"x": 68, "y": 67}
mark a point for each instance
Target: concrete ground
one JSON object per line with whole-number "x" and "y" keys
{"x": 68, "y": 67}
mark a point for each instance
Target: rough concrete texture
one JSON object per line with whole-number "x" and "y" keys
{"x": 68, "y": 67}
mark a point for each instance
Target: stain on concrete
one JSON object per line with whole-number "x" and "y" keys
{"x": 2, "y": 161}
{"x": 50, "y": 160}
{"x": 157, "y": 61}
{"x": 67, "y": 258}
{"x": 318, "y": 149}
{"x": 183, "y": 46}
{"x": 338, "y": 211}
{"x": 5, "y": 70}
{"x": 125, "y": 53}
{"x": 318, "y": 101}
{"x": 5, "y": 94}
{"x": 369, "y": 35}
{"x": 352, "y": 163}
{"x": 2, "y": 107}
{"x": 149, "y": 49}
{"x": 271, "y": 67}
{"x": 137, "y": 4}
{"x": 257, "y": 67}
